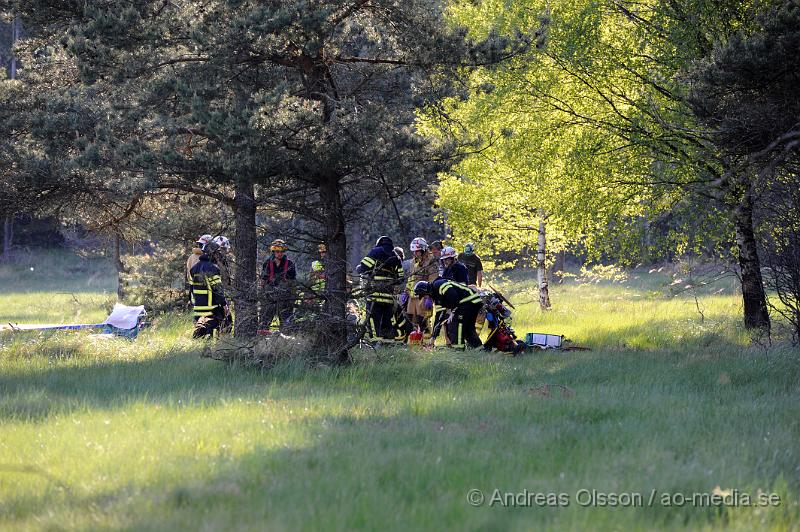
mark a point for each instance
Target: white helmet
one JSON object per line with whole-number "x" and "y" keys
{"x": 419, "y": 244}
{"x": 448, "y": 252}
{"x": 205, "y": 239}
{"x": 223, "y": 243}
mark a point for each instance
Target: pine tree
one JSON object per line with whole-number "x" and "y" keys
{"x": 308, "y": 106}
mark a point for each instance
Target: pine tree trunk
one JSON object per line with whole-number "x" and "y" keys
{"x": 541, "y": 266}
{"x": 756, "y": 315}
{"x": 8, "y": 222}
{"x": 333, "y": 334}
{"x": 245, "y": 296}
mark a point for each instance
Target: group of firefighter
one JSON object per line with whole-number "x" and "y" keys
{"x": 418, "y": 296}
{"x": 407, "y": 299}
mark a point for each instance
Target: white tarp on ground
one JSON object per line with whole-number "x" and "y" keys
{"x": 125, "y": 317}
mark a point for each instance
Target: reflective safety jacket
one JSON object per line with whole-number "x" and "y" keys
{"x": 381, "y": 270}
{"x": 456, "y": 272}
{"x": 318, "y": 277}
{"x": 205, "y": 288}
{"x": 451, "y": 294}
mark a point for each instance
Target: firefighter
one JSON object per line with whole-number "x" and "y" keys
{"x": 381, "y": 272}
{"x": 424, "y": 268}
{"x": 464, "y": 305}
{"x": 220, "y": 259}
{"x": 402, "y": 326}
{"x": 437, "y": 250}
{"x": 318, "y": 277}
{"x": 208, "y": 298}
{"x": 453, "y": 270}
{"x": 197, "y": 250}
{"x": 278, "y": 276}
{"x": 473, "y": 264}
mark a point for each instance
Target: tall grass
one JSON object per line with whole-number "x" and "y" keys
{"x": 99, "y": 433}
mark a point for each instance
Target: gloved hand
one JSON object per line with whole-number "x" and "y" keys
{"x": 403, "y": 299}
{"x": 427, "y": 303}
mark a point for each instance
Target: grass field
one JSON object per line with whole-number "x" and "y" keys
{"x": 149, "y": 435}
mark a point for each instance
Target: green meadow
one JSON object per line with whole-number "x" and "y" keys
{"x": 102, "y": 433}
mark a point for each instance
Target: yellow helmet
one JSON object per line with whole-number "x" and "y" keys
{"x": 278, "y": 245}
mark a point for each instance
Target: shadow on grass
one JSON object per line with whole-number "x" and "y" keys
{"x": 415, "y": 468}
{"x": 184, "y": 376}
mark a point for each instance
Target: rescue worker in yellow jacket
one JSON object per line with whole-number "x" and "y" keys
{"x": 462, "y": 302}
{"x": 220, "y": 259}
{"x": 424, "y": 267}
{"x": 381, "y": 273}
{"x": 208, "y": 298}
{"x": 194, "y": 257}
{"x": 278, "y": 276}
{"x": 317, "y": 277}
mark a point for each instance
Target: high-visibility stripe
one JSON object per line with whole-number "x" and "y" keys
{"x": 206, "y": 307}
{"x": 444, "y": 287}
{"x": 473, "y": 298}
{"x": 200, "y": 292}
{"x": 196, "y": 313}
{"x": 368, "y": 261}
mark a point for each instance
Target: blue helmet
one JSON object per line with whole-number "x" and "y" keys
{"x": 422, "y": 288}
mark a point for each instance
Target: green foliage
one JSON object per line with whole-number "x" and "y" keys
{"x": 313, "y": 102}
{"x": 156, "y": 279}
{"x": 594, "y": 129}
{"x": 747, "y": 91}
